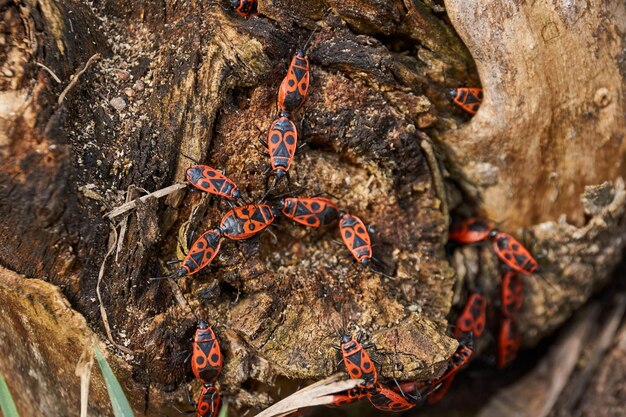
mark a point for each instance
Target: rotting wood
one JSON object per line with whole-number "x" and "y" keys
{"x": 545, "y": 150}
{"x": 204, "y": 87}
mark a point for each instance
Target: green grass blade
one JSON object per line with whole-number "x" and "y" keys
{"x": 223, "y": 411}
{"x": 6, "y": 400}
{"x": 121, "y": 407}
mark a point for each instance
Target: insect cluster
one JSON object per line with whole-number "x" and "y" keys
{"x": 245, "y": 220}
{"x": 469, "y": 326}
{"x": 401, "y": 396}
{"x": 517, "y": 261}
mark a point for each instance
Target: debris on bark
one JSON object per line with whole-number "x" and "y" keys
{"x": 203, "y": 89}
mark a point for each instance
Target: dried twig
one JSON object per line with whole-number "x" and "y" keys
{"x": 440, "y": 188}
{"x": 83, "y": 370}
{"x": 132, "y": 204}
{"x": 75, "y": 77}
{"x": 103, "y": 313}
{"x": 123, "y": 225}
{"x": 57, "y": 79}
{"x": 315, "y": 394}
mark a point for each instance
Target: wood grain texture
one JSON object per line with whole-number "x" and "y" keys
{"x": 553, "y": 118}
{"x": 182, "y": 81}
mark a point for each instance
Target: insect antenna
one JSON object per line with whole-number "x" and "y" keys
{"x": 383, "y": 274}
{"x": 193, "y": 404}
{"x": 190, "y": 158}
{"x": 274, "y": 238}
{"x": 173, "y": 275}
{"x": 244, "y": 200}
{"x": 414, "y": 398}
{"x": 306, "y": 44}
{"x": 292, "y": 193}
{"x": 326, "y": 193}
{"x": 546, "y": 280}
{"x": 265, "y": 196}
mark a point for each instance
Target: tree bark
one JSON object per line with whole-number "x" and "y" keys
{"x": 547, "y": 143}
{"x": 183, "y": 81}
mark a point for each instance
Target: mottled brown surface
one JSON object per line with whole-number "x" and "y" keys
{"x": 205, "y": 87}
{"x": 190, "y": 78}
{"x": 42, "y": 343}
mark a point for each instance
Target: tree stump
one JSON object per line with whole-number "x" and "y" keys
{"x": 177, "y": 82}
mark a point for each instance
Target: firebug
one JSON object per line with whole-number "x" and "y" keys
{"x": 206, "y": 357}
{"x": 246, "y": 221}
{"x": 469, "y": 99}
{"x": 473, "y": 317}
{"x": 357, "y": 361}
{"x": 311, "y": 212}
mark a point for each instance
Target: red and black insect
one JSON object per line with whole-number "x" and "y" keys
{"x": 282, "y": 144}
{"x": 201, "y": 253}
{"x": 386, "y": 399}
{"x": 212, "y": 181}
{"x": 460, "y": 357}
{"x": 311, "y": 212}
{"x": 357, "y": 361}
{"x": 350, "y": 396}
{"x": 356, "y": 238}
{"x": 417, "y": 390}
{"x": 469, "y": 99}
{"x": 295, "y": 86}
{"x": 246, "y": 221}
{"x": 440, "y": 391}
{"x": 513, "y": 253}
{"x": 206, "y": 356}
{"x": 509, "y": 341}
{"x": 512, "y": 294}
{"x": 245, "y": 8}
{"x": 209, "y": 401}
{"x": 473, "y": 317}
{"x": 440, "y": 386}
{"x": 470, "y": 231}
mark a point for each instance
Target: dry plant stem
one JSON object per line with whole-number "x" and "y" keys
{"x": 577, "y": 386}
{"x": 132, "y": 204}
{"x": 433, "y": 164}
{"x": 57, "y": 79}
{"x": 103, "y": 313}
{"x": 312, "y": 395}
{"x": 83, "y": 370}
{"x": 536, "y": 394}
{"x": 124, "y": 223}
{"x": 75, "y": 78}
